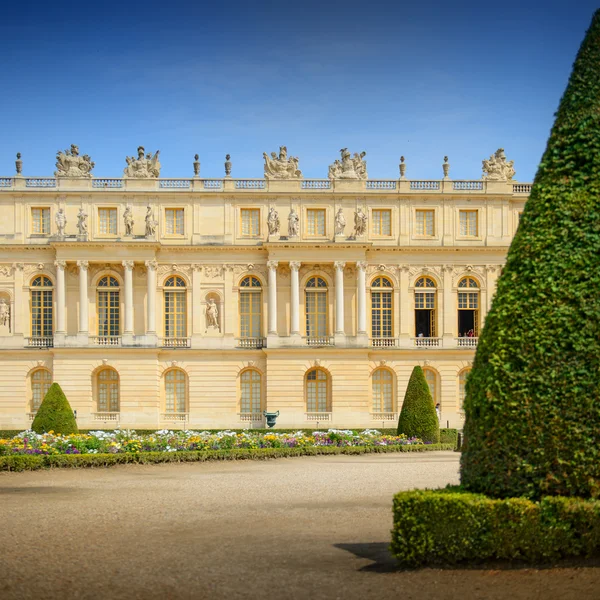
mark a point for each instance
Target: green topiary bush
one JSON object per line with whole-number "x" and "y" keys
{"x": 532, "y": 409}
{"x": 55, "y": 413}
{"x": 418, "y": 417}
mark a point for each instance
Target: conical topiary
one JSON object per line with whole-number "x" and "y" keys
{"x": 55, "y": 413}
{"x": 418, "y": 417}
{"x": 533, "y": 397}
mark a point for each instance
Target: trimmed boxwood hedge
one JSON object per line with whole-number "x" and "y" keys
{"x": 418, "y": 417}
{"x": 444, "y": 527}
{"x": 55, "y": 413}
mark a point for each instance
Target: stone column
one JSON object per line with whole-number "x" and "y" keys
{"x": 83, "y": 296}
{"x": 339, "y": 296}
{"x": 272, "y": 266}
{"x": 60, "y": 296}
{"x": 151, "y": 267}
{"x": 295, "y": 298}
{"x": 128, "y": 266}
{"x": 361, "y": 269}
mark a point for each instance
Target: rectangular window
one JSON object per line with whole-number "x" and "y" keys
{"x": 40, "y": 221}
{"x": 174, "y": 221}
{"x": 425, "y": 223}
{"x": 107, "y": 218}
{"x": 468, "y": 223}
{"x": 316, "y": 222}
{"x": 251, "y": 222}
{"x": 382, "y": 222}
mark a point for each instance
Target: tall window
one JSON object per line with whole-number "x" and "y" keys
{"x": 108, "y": 307}
{"x": 431, "y": 379}
{"x": 251, "y": 222}
{"x": 462, "y": 390}
{"x": 468, "y": 307}
{"x": 381, "y": 307}
{"x": 175, "y": 308}
{"x": 425, "y": 222}
{"x": 317, "y": 391}
{"x": 383, "y": 397}
{"x": 250, "y": 308}
{"x": 107, "y": 220}
{"x": 382, "y": 222}
{"x": 315, "y": 218}
{"x": 41, "y": 380}
{"x": 41, "y": 307}
{"x": 316, "y": 307}
{"x": 250, "y": 386}
{"x": 468, "y": 223}
{"x": 108, "y": 391}
{"x": 425, "y": 309}
{"x": 40, "y": 221}
{"x": 175, "y": 391}
{"x": 174, "y": 221}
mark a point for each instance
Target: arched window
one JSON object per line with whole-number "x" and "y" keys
{"x": 383, "y": 391}
{"x": 250, "y": 308}
{"x": 425, "y": 308}
{"x": 382, "y": 308}
{"x": 175, "y": 308}
{"x": 108, "y": 306}
{"x": 41, "y": 380}
{"x": 175, "y": 391}
{"x": 250, "y": 401}
{"x": 462, "y": 382}
{"x": 431, "y": 379}
{"x": 108, "y": 391}
{"x": 41, "y": 307}
{"x": 468, "y": 307}
{"x": 316, "y": 307}
{"x": 317, "y": 391}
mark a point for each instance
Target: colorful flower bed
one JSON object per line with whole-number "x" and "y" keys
{"x": 128, "y": 441}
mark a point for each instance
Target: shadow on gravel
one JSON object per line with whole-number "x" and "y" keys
{"x": 35, "y": 490}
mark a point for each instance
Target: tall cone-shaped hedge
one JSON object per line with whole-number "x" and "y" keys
{"x": 418, "y": 417}
{"x": 55, "y": 413}
{"x": 533, "y": 397}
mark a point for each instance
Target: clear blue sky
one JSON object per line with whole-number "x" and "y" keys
{"x": 418, "y": 78}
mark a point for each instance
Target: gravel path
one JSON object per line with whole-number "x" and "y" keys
{"x": 311, "y": 527}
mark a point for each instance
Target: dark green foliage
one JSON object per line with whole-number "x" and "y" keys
{"x": 451, "y": 526}
{"x": 448, "y": 436}
{"x": 418, "y": 417}
{"x": 532, "y": 399}
{"x": 55, "y": 413}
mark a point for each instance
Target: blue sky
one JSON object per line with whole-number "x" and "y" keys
{"x": 419, "y": 79}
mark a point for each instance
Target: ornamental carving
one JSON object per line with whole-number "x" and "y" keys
{"x": 213, "y": 271}
{"x": 173, "y": 268}
{"x": 70, "y": 164}
{"x": 281, "y": 167}
{"x": 497, "y": 168}
{"x": 29, "y": 270}
{"x": 6, "y": 270}
{"x": 145, "y": 166}
{"x": 349, "y": 167}
{"x": 426, "y": 270}
{"x": 477, "y": 272}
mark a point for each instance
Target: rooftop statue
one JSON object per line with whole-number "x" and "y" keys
{"x": 350, "y": 167}
{"x": 142, "y": 167}
{"x": 497, "y": 168}
{"x": 70, "y": 164}
{"x": 281, "y": 167}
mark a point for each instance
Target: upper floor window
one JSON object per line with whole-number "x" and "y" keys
{"x": 317, "y": 391}
{"x": 315, "y": 222}
{"x": 468, "y": 307}
{"x": 107, "y": 221}
{"x": 382, "y": 222}
{"x": 108, "y": 306}
{"x": 468, "y": 221}
{"x": 250, "y": 401}
{"x": 175, "y": 307}
{"x": 174, "y": 221}
{"x": 425, "y": 222}
{"x": 41, "y": 380}
{"x": 425, "y": 307}
{"x": 316, "y": 304}
{"x": 382, "y": 311}
{"x": 41, "y": 307}
{"x": 107, "y": 389}
{"x": 250, "y": 307}
{"x": 383, "y": 391}
{"x": 40, "y": 221}
{"x": 251, "y": 222}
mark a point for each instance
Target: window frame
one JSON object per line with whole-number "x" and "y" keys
{"x": 176, "y": 403}
{"x": 379, "y": 220}
{"x": 175, "y": 211}
{"x": 110, "y": 383}
{"x": 382, "y": 292}
{"x": 314, "y": 211}
{"x": 44, "y": 307}
{"x": 42, "y": 383}
{"x": 327, "y": 381}
{"x": 42, "y": 220}
{"x": 175, "y": 296}
{"x": 251, "y": 385}
{"x": 108, "y": 210}
{"x": 111, "y": 308}
{"x": 316, "y": 291}
{"x": 424, "y": 234}
{"x": 469, "y": 236}
{"x": 255, "y": 296}
{"x": 250, "y": 210}
{"x": 379, "y": 383}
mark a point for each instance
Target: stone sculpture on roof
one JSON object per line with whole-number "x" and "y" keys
{"x": 144, "y": 166}
{"x": 281, "y": 167}
{"x": 349, "y": 167}
{"x": 70, "y": 164}
{"x": 497, "y": 168}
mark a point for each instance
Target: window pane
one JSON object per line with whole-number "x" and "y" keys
{"x": 250, "y": 314}
{"x": 424, "y": 222}
{"x": 40, "y": 221}
{"x": 175, "y": 314}
{"x": 174, "y": 221}
{"x": 316, "y": 222}
{"x": 382, "y": 222}
{"x": 250, "y": 221}
{"x": 468, "y": 223}
{"x": 107, "y": 221}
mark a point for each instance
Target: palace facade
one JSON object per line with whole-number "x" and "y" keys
{"x": 201, "y": 303}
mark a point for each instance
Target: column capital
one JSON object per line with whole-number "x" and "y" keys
{"x": 128, "y": 264}
{"x": 83, "y": 265}
{"x": 295, "y": 265}
{"x": 60, "y": 264}
{"x": 151, "y": 265}
{"x": 339, "y": 265}
{"x": 272, "y": 265}
{"x": 361, "y": 265}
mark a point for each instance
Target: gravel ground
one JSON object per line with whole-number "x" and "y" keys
{"x": 311, "y": 527}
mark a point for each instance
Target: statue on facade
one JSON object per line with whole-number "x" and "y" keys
{"x": 497, "y": 168}
{"x": 360, "y": 223}
{"x": 150, "y": 222}
{"x": 349, "y": 167}
{"x": 82, "y": 222}
{"x": 128, "y": 221}
{"x": 340, "y": 222}
{"x": 212, "y": 314}
{"x": 293, "y": 224}
{"x": 228, "y": 165}
{"x": 70, "y": 164}
{"x": 281, "y": 167}
{"x": 196, "y": 166}
{"x": 144, "y": 166}
{"x": 4, "y": 313}
{"x": 19, "y": 164}
{"x": 61, "y": 222}
{"x": 273, "y": 221}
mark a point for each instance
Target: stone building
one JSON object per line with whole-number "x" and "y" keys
{"x": 203, "y": 302}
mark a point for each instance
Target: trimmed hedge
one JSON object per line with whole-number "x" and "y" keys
{"x": 449, "y": 436}
{"x": 444, "y": 527}
{"x": 55, "y": 413}
{"x": 24, "y": 462}
{"x": 418, "y": 417}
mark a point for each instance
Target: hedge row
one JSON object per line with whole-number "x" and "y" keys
{"x": 451, "y": 526}
{"x": 30, "y": 462}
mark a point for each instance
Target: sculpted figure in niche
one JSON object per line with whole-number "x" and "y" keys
{"x": 498, "y": 168}
{"x": 293, "y": 224}
{"x": 4, "y": 313}
{"x": 128, "y": 220}
{"x": 349, "y": 167}
{"x": 150, "y": 222}
{"x": 142, "y": 167}
{"x": 273, "y": 221}
{"x": 212, "y": 314}
{"x": 281, "y": 167}
{"x": 82, "y": 222}
{"x": 70, "y": 164}
{"x": 360, "y": 223}
{"x": 61, "y": 222}
{"x": 340, "y": 222}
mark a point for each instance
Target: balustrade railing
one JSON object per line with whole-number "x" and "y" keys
{"x": 318, "y": 416}
{"x": 40, "y": 182}
{"x": 40, "y": 342}
{"x": 175, "y": 342}
{"x": 319, "y": 341}
{"x": 384, "y": 184}
{"x": 250, "y": 184}
{"x": 384, "y": 342}
{"x": 105, "y": 416}
{"x": 384, "y": 416}
{"x": 174, "y": 416}
{"x": 6, "y": 182}
{"x": 251, "y": 417}
{"x": 252, "y": 342}
{"x": 467, "y": 342}
{"x": 212, "y": 184}
{"x": 522, "y": 188}
{"x": 107, "y": 183}
{"x": 105, "y": 340}
{"x": 424, "y": 185}
{"x": 467, "y": 185}
{"x": 175, "y": 183}
{"x": 427, "y": 342}
{"x": 316, "y": 184}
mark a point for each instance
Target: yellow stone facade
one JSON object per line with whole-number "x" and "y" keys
{"x": 213, "y": 300}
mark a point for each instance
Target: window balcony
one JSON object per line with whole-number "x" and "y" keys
{"x": 252, "y": 342}
{"x": 40, "y": 342}
{"x": 467, "y": 342}
{"x": 176, "y": 342}
{"x": 427, "y": 342}
{"x": 106, "y": 416}
{"x": 105, "y": 340}
{"x": 384, "y": 342}
{"x": 318, "y": 416}
{"x": 180, "y": 417}
{"x": 251, "y": 417}
{"x": 319, "y": 341}
{"x": 384, "y": 416}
